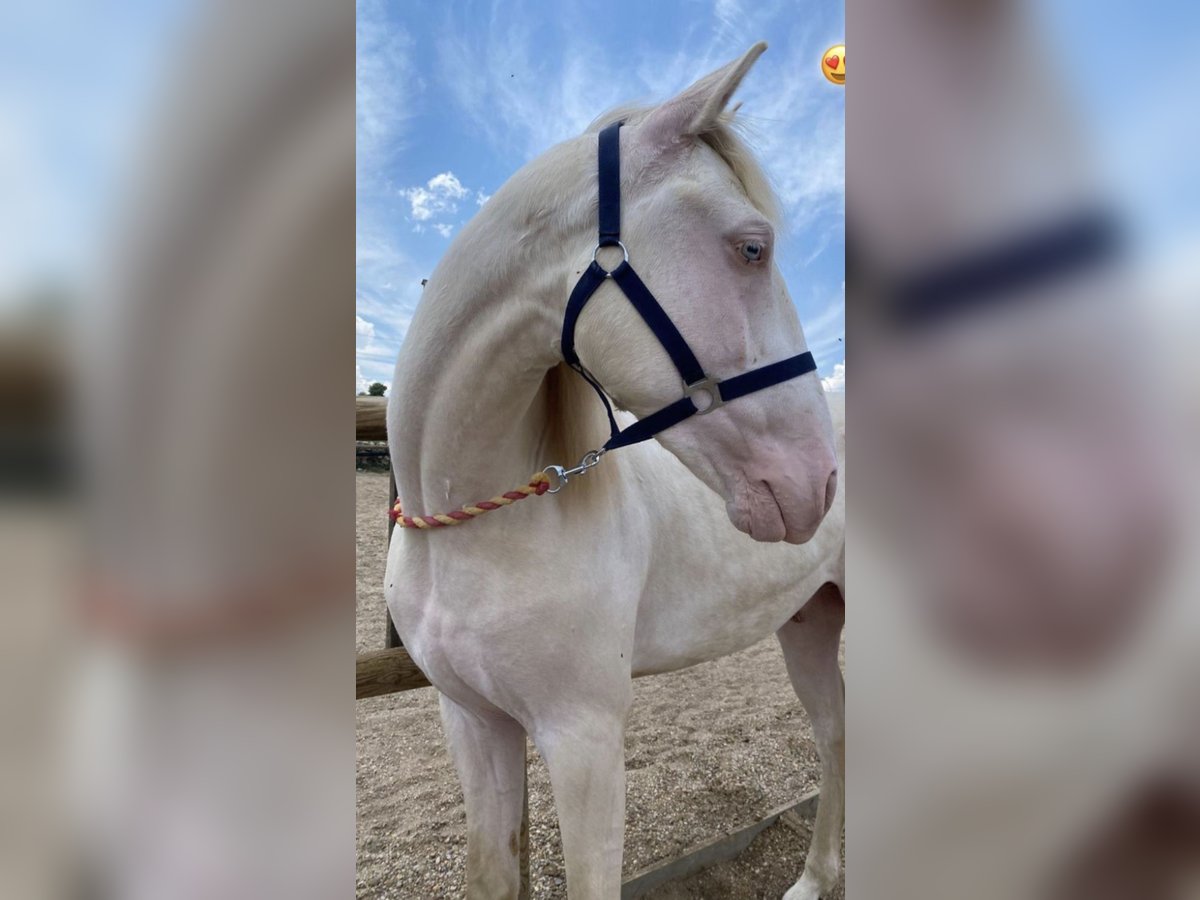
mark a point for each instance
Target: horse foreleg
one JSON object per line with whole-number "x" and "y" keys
{"x": 810, "y": 642}
{"x": 489, "y": 753}
{"x": 585, "y": 753}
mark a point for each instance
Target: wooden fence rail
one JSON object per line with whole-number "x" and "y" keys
{"x": 382, "y": 672}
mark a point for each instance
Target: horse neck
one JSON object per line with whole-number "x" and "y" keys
{"x": 464, "y": 424}
{"x": 473, "y": 411}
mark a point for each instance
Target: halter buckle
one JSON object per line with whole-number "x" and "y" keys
{"x": 599, "y": 247}
{"x": 707, "y": 387}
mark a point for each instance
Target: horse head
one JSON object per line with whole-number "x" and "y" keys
{"x": 699, "y": 222}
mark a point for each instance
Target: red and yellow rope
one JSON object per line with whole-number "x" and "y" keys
{"x": 538, "y": 485}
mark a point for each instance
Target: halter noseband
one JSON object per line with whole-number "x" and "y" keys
{"x": 695, "y": 381}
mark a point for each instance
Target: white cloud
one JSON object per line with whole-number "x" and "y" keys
{"x": 446, "y": 183}
{"x": 481, "y": 198}
{"x": 372, "y": 351}
{"x": 375, "y": 348}
{"x": 364, "y": 333}
{"x": 443, "y": 229}
{"x": 439, "y": 197}
{"x": 836, "y": 383}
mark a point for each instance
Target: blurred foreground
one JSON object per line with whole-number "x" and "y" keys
{"x": 179, "y": 621}
{"x": 1024, "y": 681}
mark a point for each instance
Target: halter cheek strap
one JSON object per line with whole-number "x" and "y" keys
{"x": 695, "y": 380}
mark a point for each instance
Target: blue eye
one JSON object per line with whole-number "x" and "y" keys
{"x": 752, "y": 251}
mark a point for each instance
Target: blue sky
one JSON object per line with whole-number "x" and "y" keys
{"x": 455, "y": 97}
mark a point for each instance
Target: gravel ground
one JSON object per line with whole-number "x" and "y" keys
{"x": 709, "y": 749}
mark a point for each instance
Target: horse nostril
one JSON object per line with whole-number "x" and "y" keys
{"x": 830, "y": 490}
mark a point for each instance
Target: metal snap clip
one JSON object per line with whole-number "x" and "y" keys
{"x": 562, "y": 476}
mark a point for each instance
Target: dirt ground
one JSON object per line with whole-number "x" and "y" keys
{"x": 712, "y": 748}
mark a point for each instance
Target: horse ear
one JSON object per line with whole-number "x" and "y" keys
{"x": 698, "y": 109}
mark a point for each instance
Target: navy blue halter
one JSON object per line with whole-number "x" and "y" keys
{"x": 696, "y": 382}
{"x": 1011, "y": 268}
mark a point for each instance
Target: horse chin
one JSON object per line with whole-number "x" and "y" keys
{"x": 775, "y": 488}
{"x": 758, "y": 511}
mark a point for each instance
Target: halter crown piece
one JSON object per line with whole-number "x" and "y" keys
{"x": 713, "y": 392}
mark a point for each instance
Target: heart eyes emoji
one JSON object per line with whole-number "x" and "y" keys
{"x": 833, "y": 64}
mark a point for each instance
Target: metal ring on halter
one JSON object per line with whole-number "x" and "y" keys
{"x": 708, "y": 387}
{"x": 599, "y": 247}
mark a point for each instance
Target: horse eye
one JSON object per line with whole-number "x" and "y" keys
{"x": 752, "y": 251}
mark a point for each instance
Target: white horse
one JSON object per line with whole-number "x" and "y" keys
{"x": 534, "y": 619}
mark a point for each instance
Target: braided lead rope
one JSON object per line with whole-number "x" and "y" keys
{"x": 538, "y": 485}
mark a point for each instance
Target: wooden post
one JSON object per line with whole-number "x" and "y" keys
{"x": 524, "y": 845}
{"x": 391, "y": 639}
{"x": 370, "y": 424}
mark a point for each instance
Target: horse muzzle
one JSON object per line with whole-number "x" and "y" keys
{"x": 777, "y": 506}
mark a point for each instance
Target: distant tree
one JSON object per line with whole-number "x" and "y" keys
{"x": 377, "y": 389}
